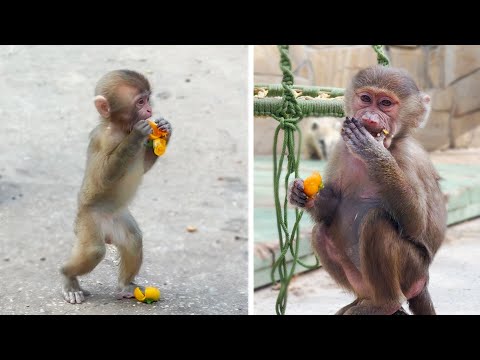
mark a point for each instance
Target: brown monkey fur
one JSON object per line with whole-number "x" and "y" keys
{"x": 117, "y": 158}
{"x": 381, "y": 217}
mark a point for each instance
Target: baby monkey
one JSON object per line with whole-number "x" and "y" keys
{"x": 117, "y": 158}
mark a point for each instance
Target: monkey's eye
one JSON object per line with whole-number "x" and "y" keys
{"x": 365, "y": 98}
{"x": 141, "y": 102}
{"x": 386, "y": 102}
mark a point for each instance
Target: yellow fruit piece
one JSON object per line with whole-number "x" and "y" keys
{"x": 138, "y": 294}
{"x": 157, "y": 133}
{"x": 151, "y": 294}
{"x": 385, "y": 131}
{"x": 159, "y": 146}
{"x": 312, "y": 184}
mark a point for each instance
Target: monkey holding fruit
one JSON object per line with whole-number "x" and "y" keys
{"x": 117, "y": 158}
{"x": 381, "y": 217}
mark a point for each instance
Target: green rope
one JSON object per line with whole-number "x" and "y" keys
{"x": 382, "y": 58}
{"x": 270, "y": 106}
{"x": 288, "y": 113}
{"x": 303, "y": 90}
{"x": 312, "y": 100}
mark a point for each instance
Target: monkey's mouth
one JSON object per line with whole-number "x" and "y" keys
{"x": 377, "y": 133}
{"x": 374, "y": 126}
{"x": 384, "y": 132}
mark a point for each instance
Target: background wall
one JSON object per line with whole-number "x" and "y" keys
{"x": 449, "y": 73}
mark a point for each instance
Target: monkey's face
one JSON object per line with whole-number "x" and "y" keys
{"x": 134, "y": 105}
{"x": 142, "y": 107}
{"x": 377, "y": 110}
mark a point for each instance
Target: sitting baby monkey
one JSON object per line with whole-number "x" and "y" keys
{"x": 117, "y": 158}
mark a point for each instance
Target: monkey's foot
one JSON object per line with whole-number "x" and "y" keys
{"x": 400, "y": 311}
{"x": 365, "y": 307}
{"x": 72, "y": 292}
{"x": 346, "y": 307}
{"x": 126, "y": 292}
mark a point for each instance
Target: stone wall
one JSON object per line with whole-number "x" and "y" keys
{"x": 449, "y": 73}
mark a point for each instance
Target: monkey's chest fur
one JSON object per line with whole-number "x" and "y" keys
{"x": 360, "y": 196}
{"x": 129, "y": 183}
{"x": 351, "y": 212}
{"x": 118, "y": 195}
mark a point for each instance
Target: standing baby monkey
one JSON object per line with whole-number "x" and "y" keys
{"x": 381, "y": 217}
{"x": 117, "y": 158}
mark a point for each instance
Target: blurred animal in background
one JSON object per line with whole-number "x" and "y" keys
{"x": 320, "y": 136}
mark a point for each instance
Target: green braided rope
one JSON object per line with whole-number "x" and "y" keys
{"x": 270, "y": 106}
{"x": 288, "y": 113}
{"x": 307, "y": 99}
{"x": 305, "y": 90}
{"x": 382, "y": 58}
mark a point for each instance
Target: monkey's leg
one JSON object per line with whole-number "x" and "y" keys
{"x": 320, "y": 239}
{"x": 87, "y": 252}
{"x": 381, "y": 253}
{"x": 422, "y": 303}
{"x": 131, "y": 254}
{"x": 368, "y": 307}
{"x": 346, "y": 307}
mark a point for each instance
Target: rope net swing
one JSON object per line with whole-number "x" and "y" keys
{"x": 289, "y": 104}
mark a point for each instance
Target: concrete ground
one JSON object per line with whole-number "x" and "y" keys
{"x": 454, "y": 281}
{"x": 46, "y": 113}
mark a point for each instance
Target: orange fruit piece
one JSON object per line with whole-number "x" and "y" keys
{"x": 148, "y": 296}
{"x": 312, "y": 184}
{"x": 157, "y": 133}
{"x": 159, "y": 146}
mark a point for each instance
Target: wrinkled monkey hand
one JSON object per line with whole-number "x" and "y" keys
{"x": 297, "y": 196}
{"x": 142, "y": 129}
{"x": 164, "y": 125}
{"x": 361, "y": 143}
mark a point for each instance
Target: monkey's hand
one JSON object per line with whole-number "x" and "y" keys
{"x": 164, "y": 125}
{"x": 141, "y": 130}
{"x": 325, "y": 204}
{"x": 361, "y": 143}
{"x": 297, "y": 196}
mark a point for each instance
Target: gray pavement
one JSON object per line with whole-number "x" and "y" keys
{"x": 454, "y": 281}
{"x": 46, "y": 113}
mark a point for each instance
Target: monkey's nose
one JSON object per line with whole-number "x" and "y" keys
{"x": 370, "y": 119}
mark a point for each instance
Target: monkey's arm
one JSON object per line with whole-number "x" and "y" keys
{"x": 325, "y": 205}
{"x": 403, "y": 201}
{"x": 116, "y": 162}
{"x": 150, "y": 159}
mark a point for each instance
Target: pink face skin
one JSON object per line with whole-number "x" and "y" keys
{"x": 142, "y": 106}
{"x": 377, "y": 110}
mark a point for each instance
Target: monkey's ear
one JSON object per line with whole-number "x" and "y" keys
{"x": 422, "y": 121}
{"x": 101, "y": 103}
